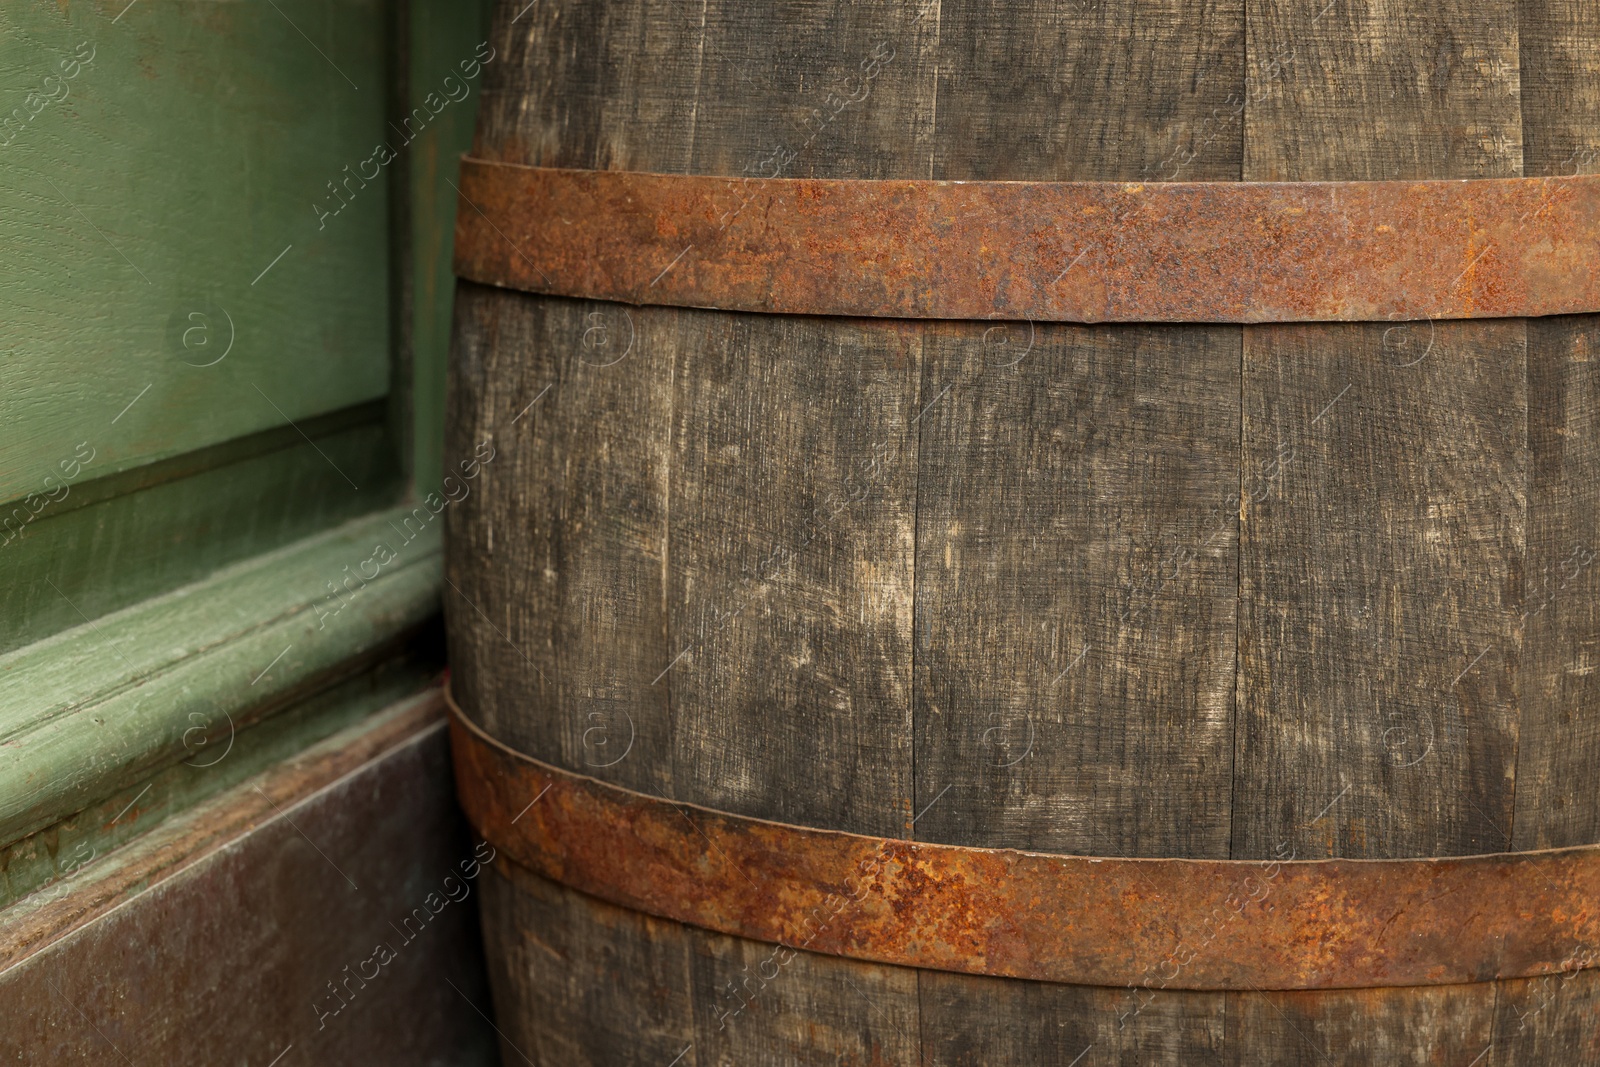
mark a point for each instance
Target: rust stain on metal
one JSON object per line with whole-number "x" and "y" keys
{"x": 1159, "y": 923}
{"x": 170, "y": 849}
{"x": 144, "y": 967}
{"x": 1047, "y": 251}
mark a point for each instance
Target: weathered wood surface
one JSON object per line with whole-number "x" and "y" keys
{"x": 1139, "y": 591}
{"x": 303, "y": 869}
{"x": 1089, "y": 90}
{"x": 768, "y": 512}
{"x": 580, "y": 983}
{"x": 769, "y": 563}
{"x": 790, "y": 568}
{"x": 1548, "y": 1020}
{"x": 596, "y": 984}
{"x": 1072, "y": 629}
{"x": 577, "y": 623}
{"x": 1384, "y": 549}
{"x": 712, "y": 479}
{"x": 1558, "y": 758}
{"x": 975, "y": 1022}
{"x": 1076, "y": 567}
{"x": 602, "y": 985}
{"x": 1445, "y": 1025}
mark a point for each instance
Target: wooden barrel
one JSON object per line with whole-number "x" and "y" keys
{"x": 1253, "y": 593}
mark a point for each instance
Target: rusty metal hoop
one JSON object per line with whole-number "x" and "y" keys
{"x": 1155, "y": 923}
{"x": 1044, "y": 251}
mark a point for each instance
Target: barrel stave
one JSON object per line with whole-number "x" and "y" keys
{"x": 913, "y": 640}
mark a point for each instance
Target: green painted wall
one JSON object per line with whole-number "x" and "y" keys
{"x": 224, "y": 320}
{"x": 194, "y": 148}
{"x": 442, "y": 38}
{"x": 174, "y": 395}
{"x": 157, "y": 160}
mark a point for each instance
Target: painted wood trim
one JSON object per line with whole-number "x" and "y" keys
{"x": 441, "y": 58}
{"x": 95, "y": 708}
{"x": 77, "y": 847}
{"x": 222, "y": 937}
{"x": 49, "y": 916}
{"x": 120, "y": 548}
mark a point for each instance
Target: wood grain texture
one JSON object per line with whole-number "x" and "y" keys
{"x": 599, "y": 86}
{"x": 789, "y": 586}
{"x": 568, "y": 643}
{"x": 975, "y": 1022}
{"x": 1034, "y": 511}
{"x": 584, "y": 984}
{"x": 1383, "y": 550}
{"x": 1560, "y": 82}
{"x": 602, "y": 985}
{"x": 1381, "y": 547}
{"x": 626, "y": 584}
{"x": 1440, "y": 1026}
{"x": 744, "y": 520}
{"x": 768, "y": 1006}
{"x": 560, "y": 635}
{"x": 1076, "y": 573}
{"x": 605, "y": 985}
{"x": 1090, "y": 90}
{"x": 1558, "y": 759}
{"x": 817, "y": 89}
{"x": 790, "y": 525}
{"x": 1367, "y": 91}
{"x": 1553, "y": 1019}
{"x": 1076, "y": 585}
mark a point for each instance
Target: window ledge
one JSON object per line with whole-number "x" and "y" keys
{"x": 88, "y": 711}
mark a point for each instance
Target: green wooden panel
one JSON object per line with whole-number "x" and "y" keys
{"x": 55, "y": 855}
{"x": 112, "y": 541}
{"x": 444, "y": 46}
{"x": 179, "y": 402}
{"x": 97, "y": 708}
{"x": 173, "y": 159}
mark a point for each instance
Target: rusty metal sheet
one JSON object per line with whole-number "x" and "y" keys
{"x": 166, "y": 851}
{"x": 1046, "y": 251}
{"x": 1157, "y": 923}
{"x": 246, "y": 930}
